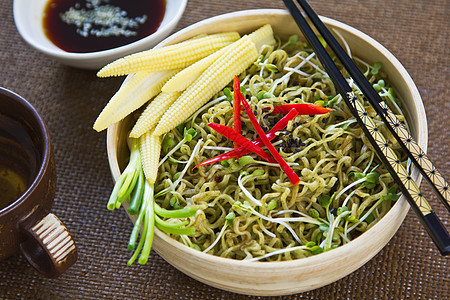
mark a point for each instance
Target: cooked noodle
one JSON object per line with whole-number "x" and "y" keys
{"x": 324, "y": 151}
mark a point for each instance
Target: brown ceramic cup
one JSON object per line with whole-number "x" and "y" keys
{"x": 26, "y": 225}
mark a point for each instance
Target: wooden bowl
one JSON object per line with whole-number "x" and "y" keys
{"x": 286, "y": 277}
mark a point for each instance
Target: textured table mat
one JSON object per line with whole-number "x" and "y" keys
{"x": 69, "y": 99}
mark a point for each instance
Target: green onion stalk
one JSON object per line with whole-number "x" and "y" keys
{"x": 133, "y": 186}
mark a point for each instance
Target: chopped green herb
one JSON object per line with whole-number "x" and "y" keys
{"x": 181, "y": 127}
{"x": 341, "y": 210}
{"x": 260, "y": 95}
{"x": 325, "y": 201}
{"x": 230, "y": 218}
{"x": 316, "y": 250}
{"x": 272, "y": 205}
{"x": 174, "y": 202}
{"x": 196, "y": 247}
{"x": 320, "y": 102}
{"x": 227, "y": 92}
{"x": 310, "y": 244}
{"x": 324, "y": 227}
{"x": 189, "y": 134}
{"x": 391, "y": 194}
{"x": 293, "y": 39}
{"x": 258, "y": 172}
{"x": 352, "y": 219}
{"x": 331, "y": 102}
{"x": 379, "y": 85}
{"x": 356, "y": 175}
{"x": 272, "y": 68}
{"x": 376, "y": 68}
{"x": 313, "y": 213}
{"x": 243, "y": 91}
{"x": 245, "y": 160}
{"x": 176, "y": 176}
{"x": 372, "y": 177}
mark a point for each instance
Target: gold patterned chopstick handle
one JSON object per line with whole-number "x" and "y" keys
{"x": 391, "y": 157}
{"x": 430, "y": 171}
{"x": 421, "y": 207}
{"x": 416, "y": 154}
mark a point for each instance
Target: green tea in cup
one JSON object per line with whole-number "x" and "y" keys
{"x": 17, "y": 160}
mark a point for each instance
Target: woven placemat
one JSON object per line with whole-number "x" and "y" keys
{"x": 69, "y": 99}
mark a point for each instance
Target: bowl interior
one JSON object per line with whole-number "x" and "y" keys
{"x": 280, "y": 278}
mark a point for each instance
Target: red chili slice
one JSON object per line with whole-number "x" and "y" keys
{"x": 239, "y": 139}
{"x": 302, "y": 108}
{"x": 289, "y": 172}
{"x": 281, "y": 124}
{"x": 236, "y": 108}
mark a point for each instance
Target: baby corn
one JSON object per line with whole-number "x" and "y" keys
{"x": 241, "y": 55}
{"x": 179, "y": 82}
{"x": 153, "y": 112}
{"x": 150, "y": 149}
{"x": 262, "y": 36}
{"x": 175, "y": 56}
{"x": 187, "y": 76}
{"x": 133, "y": 93}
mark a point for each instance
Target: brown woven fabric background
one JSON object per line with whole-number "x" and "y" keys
{"x": 69, "y": 99}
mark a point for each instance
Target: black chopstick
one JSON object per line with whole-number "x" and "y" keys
{"x": 415, "y": 153}
{"x": 421, "y": 207}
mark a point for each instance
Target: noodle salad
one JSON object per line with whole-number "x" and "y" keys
{"x": 269, "y": 166}
{"x": 247, "y": 208}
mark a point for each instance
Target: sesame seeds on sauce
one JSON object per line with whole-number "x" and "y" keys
{"x": 82, "y": 26}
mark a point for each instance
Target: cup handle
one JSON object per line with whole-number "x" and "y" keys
{"x": 47, "y": 246}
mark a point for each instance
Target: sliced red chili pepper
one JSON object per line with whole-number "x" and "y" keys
{"x": 281, "y": 124}
{"x": 236, "y": 108}
{"x": 302, "y": 108}
{"x": 238, "y": 138}
{"x": 289, "y": 172}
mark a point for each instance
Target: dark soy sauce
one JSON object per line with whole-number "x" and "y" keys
{"x": 94, "y": 25}
{"x": 19, "y": 160}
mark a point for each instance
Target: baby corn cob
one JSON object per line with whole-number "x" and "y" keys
{"x": 170, "y": 57}
{"x": 187, "y": 76}
{"x": 150, "y": 149}
{"x": 243, "y": 53}
{"x": 153, "y": 112}
{"x": 133, "y": 93}
{"x": 179, "y": 82}
{"x": 262, "y": 36}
